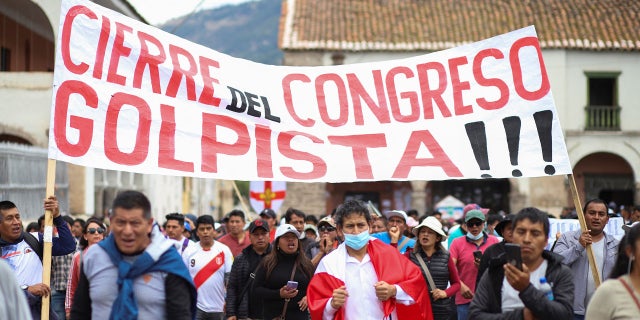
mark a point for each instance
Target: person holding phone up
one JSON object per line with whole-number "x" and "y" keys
{"x": 283, "y": 276}
{"x": 506, "y": 292}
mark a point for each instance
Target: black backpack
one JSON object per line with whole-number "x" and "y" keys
{"x": 34, "y": 244}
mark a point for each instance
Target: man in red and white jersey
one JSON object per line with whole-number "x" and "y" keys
{"x": 209, "y": 263}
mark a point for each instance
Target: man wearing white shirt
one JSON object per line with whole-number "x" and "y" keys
{"x": 365, "y": 278}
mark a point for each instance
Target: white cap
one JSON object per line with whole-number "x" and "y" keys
{"x": 286, "y": 228}
{"x": 396, "y": 213}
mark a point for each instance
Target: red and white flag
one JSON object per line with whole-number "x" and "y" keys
{"x": 267, "y": 194}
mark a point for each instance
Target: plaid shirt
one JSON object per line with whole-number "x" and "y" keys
{"x": 60, "y": 266}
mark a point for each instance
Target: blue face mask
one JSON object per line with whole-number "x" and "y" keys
{"x": 356, "y": 241}
{"x": 474, "y": 238}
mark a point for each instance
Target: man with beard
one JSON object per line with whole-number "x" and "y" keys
{"x": 209, "y": 263}
{"x": 241, "y": 303}
{"x": 572, "y": 246}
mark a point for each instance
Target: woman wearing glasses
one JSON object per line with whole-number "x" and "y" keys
{"x": 94, "y": 232}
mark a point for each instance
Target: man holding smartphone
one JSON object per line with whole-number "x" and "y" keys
{"x": 506, "y": 292}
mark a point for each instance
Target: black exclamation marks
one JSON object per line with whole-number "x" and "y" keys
{"x": 544, "y": 120}
{"x": 512, "y": 131}
{"x": 478, "y": 139}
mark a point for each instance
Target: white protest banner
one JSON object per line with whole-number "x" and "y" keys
{"x": 613, "y": 227}
{"x": 130, "y": 97}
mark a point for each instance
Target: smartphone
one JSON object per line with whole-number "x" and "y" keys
{"x": 513, "y": 254}
{"x": 292, "y": 285}
{"x": 477, "y": 254}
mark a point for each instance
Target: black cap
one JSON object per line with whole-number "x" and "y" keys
{"x": 258, "y": 223}
{"x": 507, "y": 219}
{"x": 268, "y": 212}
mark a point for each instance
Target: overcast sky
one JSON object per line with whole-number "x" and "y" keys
{"x": 159, "y": 11}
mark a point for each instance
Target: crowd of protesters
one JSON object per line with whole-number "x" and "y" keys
{"x": 351, "y": 264}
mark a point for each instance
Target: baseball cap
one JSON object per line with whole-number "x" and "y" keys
{"x": 268, "y": 212}
{"x": 396, "y": 213}
{"x": 258, "y": 223}
{"x": 311, "y": 227}
{"x": 327, "y": 220}
{"x": 474, "y": 214}
{"x": 474, "y": 206}
{"x": 187, "y": 226}
{"x": 286, "y": 228}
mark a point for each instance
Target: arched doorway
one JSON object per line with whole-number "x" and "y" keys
{"x": 606, "y": 176}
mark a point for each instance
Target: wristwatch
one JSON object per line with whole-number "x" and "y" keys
{"x": 24, "y": 287}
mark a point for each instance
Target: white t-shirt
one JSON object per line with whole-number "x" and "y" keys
{"x": 510, "y": 296}
{"x": 201, "y": 263}
{"x": 598, "y": 254}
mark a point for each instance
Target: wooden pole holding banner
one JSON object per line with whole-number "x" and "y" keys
{"x": 583, "y": 228}
{"x": 48, "y": 238}
{"x": 244, "y": 206}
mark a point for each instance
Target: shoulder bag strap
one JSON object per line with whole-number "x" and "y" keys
{"x": 626, "y": 285}
{"x": 252, "y": 276}
{"x": 34, "y": 243}
{"x": 432, "y": 285}
{"x": 402, "y": 243}
{"x": 286, "y": 301}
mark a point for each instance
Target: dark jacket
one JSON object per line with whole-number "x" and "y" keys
{"x": 240, "y": 301}
{"x": 494, "y": 251}
{"x": 269, "y": 288}
{"x": 487, "y": 301}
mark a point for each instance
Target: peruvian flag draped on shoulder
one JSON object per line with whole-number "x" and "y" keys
{"x": 267, "y": 194}
{"x": 389, "y": 266}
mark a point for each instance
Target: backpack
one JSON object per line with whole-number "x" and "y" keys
{"x": 34, "y": 244}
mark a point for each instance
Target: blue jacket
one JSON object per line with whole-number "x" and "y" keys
{"x": 575, "y": 256}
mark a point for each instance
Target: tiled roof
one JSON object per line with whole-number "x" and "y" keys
{"x": 406, "y": 25}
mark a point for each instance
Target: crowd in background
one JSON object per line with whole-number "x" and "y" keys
{"x": 263, "y": 268}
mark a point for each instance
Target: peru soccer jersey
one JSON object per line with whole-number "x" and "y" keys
{"x": 207, "y": 268}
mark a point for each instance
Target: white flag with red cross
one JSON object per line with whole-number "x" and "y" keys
{"x": 267, "y": 194}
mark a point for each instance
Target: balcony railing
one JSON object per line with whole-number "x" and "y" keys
{"x": 602, "y": 118}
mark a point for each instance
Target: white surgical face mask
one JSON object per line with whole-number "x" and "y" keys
{"x": 474, "y": 238}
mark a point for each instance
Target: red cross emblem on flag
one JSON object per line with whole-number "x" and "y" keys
{"x": 267, "y": 194}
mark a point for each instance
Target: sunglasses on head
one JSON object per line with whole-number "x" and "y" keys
{"x": 94, "y": 230}
{"x": 328, "y": 229}
{"x": 474, "y": 224}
